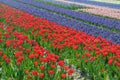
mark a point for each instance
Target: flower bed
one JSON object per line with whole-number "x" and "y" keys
{"x": 30, "y": 43}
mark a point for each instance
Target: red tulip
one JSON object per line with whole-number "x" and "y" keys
{"x": 41, "y": 75}
{"x": 0, "y": 53}
{"x": 70, "y": 72}
{"x": 61, "y": 63}
{"x": 52, "y": 66}
{"x": 63, "y": 76}
{"x": 88, "y": 54}
{"x": 36, "y": 63}
{"x": 110, "y": 61}
{"x": 34, "y": 73}
{"x": 7, "y": 60}
{"x": 29, "y": 77}
{"x": 42, "y": 68}
{"x": 51, "y": 72}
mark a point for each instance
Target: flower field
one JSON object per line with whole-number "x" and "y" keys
{"x": 47, "y": 41}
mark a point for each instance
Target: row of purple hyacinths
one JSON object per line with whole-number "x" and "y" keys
{"x": 93, "y": 30}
